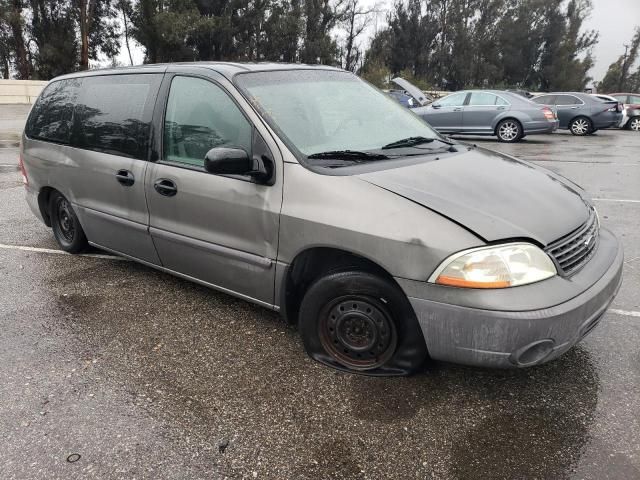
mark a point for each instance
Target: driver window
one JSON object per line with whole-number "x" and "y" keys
{"x": 199, "y": 117}
{"x": 455, "y": 100}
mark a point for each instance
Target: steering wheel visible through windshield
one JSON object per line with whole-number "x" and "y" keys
{"x": 324, "y": 111}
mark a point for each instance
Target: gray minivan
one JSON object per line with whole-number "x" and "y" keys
{"x": 310, "y": 192}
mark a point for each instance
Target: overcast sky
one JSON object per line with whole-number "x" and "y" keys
{"x": 614, "y": 19}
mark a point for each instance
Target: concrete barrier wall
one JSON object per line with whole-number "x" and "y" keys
{"x": 20, "y": 91}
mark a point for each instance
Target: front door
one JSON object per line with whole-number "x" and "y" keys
{"x": 221, "y": 230}
{"x": 446, "y": 115}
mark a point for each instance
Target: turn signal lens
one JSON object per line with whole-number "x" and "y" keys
{"x": 501, "y": 266}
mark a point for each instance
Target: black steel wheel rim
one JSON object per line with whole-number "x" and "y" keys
{"x": 65, "y": 220}
{"x": 358, "y": 332}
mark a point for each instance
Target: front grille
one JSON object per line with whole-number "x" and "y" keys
{"x": 572, "y": 251}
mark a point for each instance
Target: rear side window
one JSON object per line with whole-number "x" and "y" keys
{"x": 52, "y": 116}
{"x": 634, "y": 99}
{"x": 545, "y": 99}
{"x": 567, "y": 100}
{"x": 113, "y": 114}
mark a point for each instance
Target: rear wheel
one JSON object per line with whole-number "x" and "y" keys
{"x": 580, "y": 126}
{"x": 634, "y": 124}
{"x": 65, "y": 225}
{"x": 509, "y": 131}
{"x": 360, "y": 322}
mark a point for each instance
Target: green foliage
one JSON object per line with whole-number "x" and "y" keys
{"x": 377, "y": 74}
{"x": 619, "y": 77}
{"x": 453, "y": 44}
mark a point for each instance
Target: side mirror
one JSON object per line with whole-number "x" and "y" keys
{"x": 236, "y": 161}
{"x": 228, "y": 161}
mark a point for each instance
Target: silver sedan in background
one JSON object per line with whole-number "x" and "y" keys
{"x": 507, "y": 115}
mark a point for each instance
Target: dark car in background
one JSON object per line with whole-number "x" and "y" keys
{"x": 409, "y": 95}
{"x": 403, "y": 98}
{"x": 582, "y": 113}
{"x": 631, "y": 102}
{"x": 507, "y": 115}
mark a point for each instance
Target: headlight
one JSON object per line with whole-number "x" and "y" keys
{"x": 499, "y": 266}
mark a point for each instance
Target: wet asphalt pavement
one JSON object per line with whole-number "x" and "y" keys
{"x": 109, "y": 369}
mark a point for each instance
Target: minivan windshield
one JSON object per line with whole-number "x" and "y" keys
{"x": 325, "y": 113}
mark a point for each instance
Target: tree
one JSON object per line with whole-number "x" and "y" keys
{"x": 566, "y": 58}
{"x": 13, "y": 42}
{"x": 618, "y": 77}
{"x": 53, "y": 43}
{"x": 354, "y": 20}
{"x": 98, "y": 30}
{"x": 320, "y": 16}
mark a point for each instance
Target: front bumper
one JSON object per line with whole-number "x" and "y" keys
{"x": 469, "y": 333}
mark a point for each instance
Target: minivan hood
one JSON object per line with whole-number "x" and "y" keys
{"x": 495, "y": 196}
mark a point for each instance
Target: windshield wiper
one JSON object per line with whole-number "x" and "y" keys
{"x": 348, "y": 155}
{"x": 413, "y": 141}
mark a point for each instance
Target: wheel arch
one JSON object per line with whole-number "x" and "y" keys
{"x": 311, "y": 264}
{"x": 43, "y": 203}
{"x": 499, "y": 120}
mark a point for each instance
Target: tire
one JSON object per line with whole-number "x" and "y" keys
{"x": 359, "y": 322}
{"x": 509, "y": 130}
{"x": 634, "y": 124}
{"x": 580, "y": 126}
{"x": 65, "y": 225}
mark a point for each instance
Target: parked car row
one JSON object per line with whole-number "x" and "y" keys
{"x": 512, "y": 115}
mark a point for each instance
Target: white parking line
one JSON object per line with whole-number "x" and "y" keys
{"x": 628, "y": 313}
{"x": 59, "y": 252}
{"x": 623, "y": 200}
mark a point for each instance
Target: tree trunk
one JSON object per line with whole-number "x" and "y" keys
{"x": 22, "y": 63}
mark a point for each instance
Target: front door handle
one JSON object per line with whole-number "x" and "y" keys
{"x": 165, "y": 187}
{"x": 125, "y": 177}
{"x": 457, "y": 109}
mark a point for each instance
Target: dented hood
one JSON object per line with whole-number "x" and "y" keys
{"x": 494, "y": 196}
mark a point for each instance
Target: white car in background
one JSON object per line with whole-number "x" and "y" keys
{"x": 609, "y": 98}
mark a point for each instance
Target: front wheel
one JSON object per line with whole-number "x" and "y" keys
{"x": 360, "y": 322}
{"x": 580, "y": 126}
{"x": 634, "y": 124}
{"x": 65, "y": 224}
{"x": 509, "y": 131}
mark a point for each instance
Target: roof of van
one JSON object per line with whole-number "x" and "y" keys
{"x": 228, "y": 69}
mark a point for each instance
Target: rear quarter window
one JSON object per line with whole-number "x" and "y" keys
{"x": 51, "y": 118}
{"x": 113, "y": 114}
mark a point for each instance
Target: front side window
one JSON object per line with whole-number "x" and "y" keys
{"x": 114, "y": 113}
{"x": 455, "y": 100}
{"x": 483, "y": 99}
{"x": 325, "y": 110}
{"x": 201, "y": 116}
{"x": 52, "y": 115}
{"x": 621, "y": 98}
